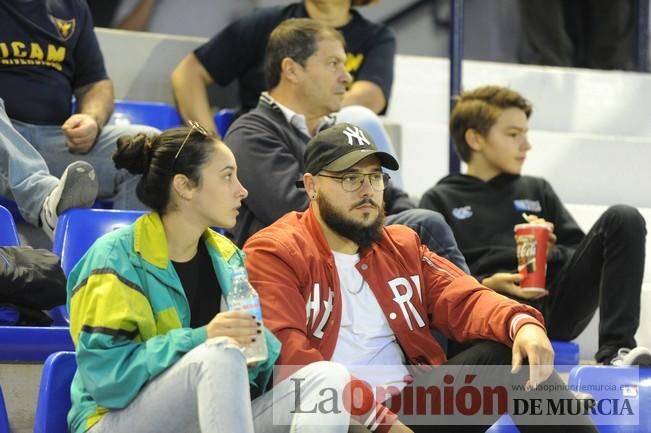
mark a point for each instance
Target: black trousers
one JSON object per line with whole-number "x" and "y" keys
{"x": 605, "y": 271}
{"x": 580, "y": 33}
{"x": 487, "y": 353}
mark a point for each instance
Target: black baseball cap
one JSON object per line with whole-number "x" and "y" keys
{"x": 340, "y": 147}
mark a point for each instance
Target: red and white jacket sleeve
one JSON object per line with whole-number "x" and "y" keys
{"x": 463, "y": 309}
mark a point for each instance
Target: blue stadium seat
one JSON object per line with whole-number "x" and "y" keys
{"x": 610, "y": 384}
{"x": 60, "y": 316}
{"x": 32, "y": 343}
{"x": 25, "y": 343}
{"x": 223, "y": 120}
{"x": 567, "y": 355}
{"x": 157, "y": 114}
{"x": 503, "y": 425}
{"x": 54, "y": 393}
{"x": 12, "y": 207}
{"x": 76, "y": 231}
{"x": 8, "y": 233}
{"x": 4, "y": 420}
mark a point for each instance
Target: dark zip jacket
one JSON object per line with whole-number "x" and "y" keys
{"x": 482, "y": 216}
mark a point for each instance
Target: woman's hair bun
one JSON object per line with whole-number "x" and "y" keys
{"x": 134, "y": 153}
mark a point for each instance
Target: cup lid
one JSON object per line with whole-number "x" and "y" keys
{"x": 529, "y": 226}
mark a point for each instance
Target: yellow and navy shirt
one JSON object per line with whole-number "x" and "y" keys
{"x": 48, "y": 49}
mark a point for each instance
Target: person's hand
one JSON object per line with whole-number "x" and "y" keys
{"x": 399, "y": 427}
{"x": 534, "y": 219}
{"x": 81, "y": 131}
{"x": 532, "y": 343}
{"x": 509, "y": 284}
{"x": 356, "y": 427}
{"x": 238, "y": 325}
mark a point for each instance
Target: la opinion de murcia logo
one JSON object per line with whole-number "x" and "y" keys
{"x": 354, "y": 133}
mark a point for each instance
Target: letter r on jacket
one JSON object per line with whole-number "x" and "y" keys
{"x": 404, "y": 300}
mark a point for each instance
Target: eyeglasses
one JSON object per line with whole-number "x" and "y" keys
{"x": 193, "y": 126}
{"x": 353, "y": 181}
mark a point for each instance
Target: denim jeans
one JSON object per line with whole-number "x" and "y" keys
{"x": 24, "y": 176}
{"x": 32, "y": 157}
{"x": 207, "y": 391}
{"x": 433, "y": 231}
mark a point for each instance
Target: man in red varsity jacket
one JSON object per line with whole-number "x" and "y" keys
{"x": 336, "y": 284}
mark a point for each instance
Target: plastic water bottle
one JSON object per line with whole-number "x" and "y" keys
{"x": 243, "y": 297}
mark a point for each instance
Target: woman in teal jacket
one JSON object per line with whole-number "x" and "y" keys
{"x": 156, "y": 349}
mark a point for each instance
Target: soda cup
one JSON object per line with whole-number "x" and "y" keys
{"x": 531, "y": 242}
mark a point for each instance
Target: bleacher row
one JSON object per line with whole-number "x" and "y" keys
{"x": 76, "y": 231}
{"x": 161, "y": 115}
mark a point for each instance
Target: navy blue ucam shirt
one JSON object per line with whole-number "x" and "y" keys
{"x": 48, "y": 48}
{"x": 237, "y": 52}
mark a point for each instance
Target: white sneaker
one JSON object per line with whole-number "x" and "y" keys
{"x": 640, "y": 356}
{"x": 76, "y": 188}
{"x": 582, "y": 395}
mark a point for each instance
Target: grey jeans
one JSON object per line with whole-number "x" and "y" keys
{"x": 207, "y": 391}
{"x": 32, "y": 157}
{"x": 433, "y": 232}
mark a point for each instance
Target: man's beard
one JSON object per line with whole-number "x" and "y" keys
{"x": 363, "y": 235}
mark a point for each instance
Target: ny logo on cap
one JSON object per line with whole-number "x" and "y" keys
{"x": 357, "y": 134}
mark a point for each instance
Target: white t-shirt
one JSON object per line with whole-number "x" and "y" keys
{"x": 366, "y": 344}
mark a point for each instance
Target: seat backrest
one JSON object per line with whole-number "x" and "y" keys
{"x": 223, "y": 120}
{"x": 615, "y": 388}
{"x": 12, "y": 207}
{"x": 157, "y": 114}
{"x": 566, "y": 355}
{"x": 504, "y": 424}
{"x": 33, "y": 344}
{"x": 8, "y": 233}
{"x": 4, "y": 420}
{"x": 78, "y": 229}
{"x": 53, "y": 402}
